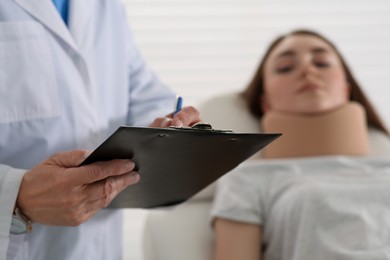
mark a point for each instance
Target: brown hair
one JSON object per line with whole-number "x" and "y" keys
{"x": 255, "y": 89}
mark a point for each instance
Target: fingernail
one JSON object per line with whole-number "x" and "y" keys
{"x": 166, "y": 122}
{"x": 179, "y": 123}
{"x": 134, "y": 177}
{"x": 129, "y": 165}
{"x": 87, "y": 153}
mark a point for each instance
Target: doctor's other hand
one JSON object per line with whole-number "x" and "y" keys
{"x": 187, "y": 116}
{"x": 59, "y": 192}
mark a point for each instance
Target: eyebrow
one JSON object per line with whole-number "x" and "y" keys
{"x": 290, "y": 52}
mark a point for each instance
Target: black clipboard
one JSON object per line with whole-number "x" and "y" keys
{"x": 175, "y": 163}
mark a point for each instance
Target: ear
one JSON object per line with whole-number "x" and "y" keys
{"x": 264, "y": 103}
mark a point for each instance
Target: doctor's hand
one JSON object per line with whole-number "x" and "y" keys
{"x": 58, "y": 192}
{"x": 187, "y": 116}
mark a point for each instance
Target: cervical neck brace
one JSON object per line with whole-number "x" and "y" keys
{"x": 343, "y": 131}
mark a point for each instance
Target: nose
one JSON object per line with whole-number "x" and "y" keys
{"x": 308, "y": 68}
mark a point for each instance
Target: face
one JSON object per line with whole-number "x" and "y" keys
{"x": 304, "y": 75}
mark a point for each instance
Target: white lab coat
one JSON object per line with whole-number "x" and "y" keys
{"x": 62, "y": 89}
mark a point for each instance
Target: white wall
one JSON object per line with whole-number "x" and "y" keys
{"x": 205, "y": 47}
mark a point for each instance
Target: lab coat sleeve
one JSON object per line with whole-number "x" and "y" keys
{"x": 10, "y": 180}
{"x": 149, "y": 97}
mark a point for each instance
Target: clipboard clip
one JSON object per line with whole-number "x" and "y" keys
{"x": 201, "y": 127}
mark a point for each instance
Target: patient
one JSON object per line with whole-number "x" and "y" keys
{"x": 319, "y": 194}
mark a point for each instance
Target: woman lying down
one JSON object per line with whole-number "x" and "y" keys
{"x": 322, "y": 191}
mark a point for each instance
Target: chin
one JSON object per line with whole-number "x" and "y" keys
{"x": 319, "y": 110}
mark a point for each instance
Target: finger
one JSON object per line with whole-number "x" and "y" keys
{"x": 161, "y": 122}
{"x": 100, "y": 194}
{"x": 86, "y": 202}
{"x": 166, "y": 122}
{"x": 69, "y": 159}
{"x": 100, "y": 170}
{"x": 187, "y": 117}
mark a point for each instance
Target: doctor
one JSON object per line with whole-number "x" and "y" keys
{"x": 69, "y": 76}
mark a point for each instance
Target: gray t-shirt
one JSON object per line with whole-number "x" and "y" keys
{"x": 317, "y": 208}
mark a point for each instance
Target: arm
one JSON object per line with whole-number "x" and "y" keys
{"x": 236, "y": 240}
{"x": 58, "y": 192}
{"x": 149, "y": 97}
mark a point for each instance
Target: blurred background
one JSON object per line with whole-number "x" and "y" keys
{"x": 202, "y": 48}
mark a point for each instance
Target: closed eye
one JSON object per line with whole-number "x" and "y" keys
{"x": 284, "y": 69}
{"x": 322, "y": 64}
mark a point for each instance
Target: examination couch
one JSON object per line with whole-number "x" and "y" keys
{"x": 183, "y": 232}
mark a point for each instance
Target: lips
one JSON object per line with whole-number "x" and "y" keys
{"x": 309, "y": 87}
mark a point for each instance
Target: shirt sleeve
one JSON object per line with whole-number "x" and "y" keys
{"x": 10, "y": 180}
{"x": 149, "y": 97}
{"x": 238, "y": 198}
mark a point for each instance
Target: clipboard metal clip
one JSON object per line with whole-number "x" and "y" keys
{"x": 201, "y": 127}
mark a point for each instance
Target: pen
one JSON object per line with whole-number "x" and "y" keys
{"x": 179, "y": 102}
